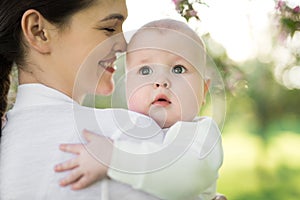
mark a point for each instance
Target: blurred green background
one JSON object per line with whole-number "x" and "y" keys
{"x": 261, "y": 133}
{"x": 261, "y": 139}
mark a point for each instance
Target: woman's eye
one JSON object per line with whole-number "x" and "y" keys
{"x": 109, "y": 29}
{"x": 178, "y": 69}
{"x": 145, "y": 70}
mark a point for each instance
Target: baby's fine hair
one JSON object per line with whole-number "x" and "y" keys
{"x": 165, "y": 26}
{"x": 171, "y": 24}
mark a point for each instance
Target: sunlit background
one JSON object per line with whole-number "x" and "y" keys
{"x": 260, "y": 67}
{"x": 261, "y": 72}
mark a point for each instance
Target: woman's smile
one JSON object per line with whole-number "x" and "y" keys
{"x": 108, "y": 64}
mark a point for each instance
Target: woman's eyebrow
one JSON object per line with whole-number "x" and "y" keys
{"x": 113, "y": 16}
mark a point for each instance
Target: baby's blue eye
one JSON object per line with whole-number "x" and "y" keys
{"x": 178, "y": 69}
{"x": 145, "y": 70}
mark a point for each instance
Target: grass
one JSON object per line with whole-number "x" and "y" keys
{"x": 253, "y": 170}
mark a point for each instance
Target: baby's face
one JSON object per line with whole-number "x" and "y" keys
{"x": 163, "y": 86}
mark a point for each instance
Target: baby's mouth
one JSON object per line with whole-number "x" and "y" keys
{"x": 161, "y": 100}
{"x": 108, "y": 65}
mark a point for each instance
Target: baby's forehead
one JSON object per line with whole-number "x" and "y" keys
{"x": 172, "y": 41}
{"x": 163, "y": 37}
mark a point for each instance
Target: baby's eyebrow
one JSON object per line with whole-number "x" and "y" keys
{"x": 141, "y": 60}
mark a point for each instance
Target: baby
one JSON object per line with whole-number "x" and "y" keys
{"x": 165, "y": 80}
{"x": 165, "y": 72}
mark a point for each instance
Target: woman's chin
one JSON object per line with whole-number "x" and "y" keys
{"x": 105, "y": 89}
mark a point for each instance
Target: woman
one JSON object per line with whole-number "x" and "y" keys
{"x": 48, "y": 40}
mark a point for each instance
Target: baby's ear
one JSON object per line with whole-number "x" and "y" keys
{"x": 35, "y": 30}
{"x": 206, "y": 85}
{"x": 206, "y": 89}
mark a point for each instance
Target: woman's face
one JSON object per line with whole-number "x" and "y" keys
{"x": 100, "y": 24}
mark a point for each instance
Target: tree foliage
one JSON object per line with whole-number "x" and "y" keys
{"x": 271, "y": 104}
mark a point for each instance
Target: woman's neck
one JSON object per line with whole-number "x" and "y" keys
{"x": 27, "y": 77}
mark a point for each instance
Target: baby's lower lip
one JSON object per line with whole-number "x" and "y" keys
{"x": 161, "y": 103}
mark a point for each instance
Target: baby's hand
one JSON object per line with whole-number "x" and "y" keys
{"x": 90, "y": 165}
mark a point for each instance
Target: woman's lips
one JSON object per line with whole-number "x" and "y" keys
{"x": 108, "y": 65}
{"x": 110, "y": 69}
{"x": 161, "y": 100}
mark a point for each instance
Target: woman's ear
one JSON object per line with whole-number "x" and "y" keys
{"x": 34, "y": 27}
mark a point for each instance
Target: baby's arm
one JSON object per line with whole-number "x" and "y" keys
{"x": 194, "y": 172}
{"x": 90, "y": 164}
{"x": 189, "y": 176}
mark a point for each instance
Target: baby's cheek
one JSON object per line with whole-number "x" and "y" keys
{"x": 135, "y": 104}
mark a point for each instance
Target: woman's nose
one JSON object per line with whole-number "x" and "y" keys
{"x": 164, "y": 84}
{"x": 121, "y": 44}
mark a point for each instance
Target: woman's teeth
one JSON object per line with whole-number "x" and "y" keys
{"x": 105, "y": 64}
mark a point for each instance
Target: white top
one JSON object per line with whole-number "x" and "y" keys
{"x": 41, "y": 119}
{"x": 184, "y": 167}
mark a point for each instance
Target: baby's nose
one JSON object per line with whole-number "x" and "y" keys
{"x": 164, "y": 84}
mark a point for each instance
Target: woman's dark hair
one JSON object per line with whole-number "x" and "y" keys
{"x": 11, "y": 48}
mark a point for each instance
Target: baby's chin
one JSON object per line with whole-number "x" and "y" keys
{"x": 162, "y": 116}
{"x": 168, "y": 122}
{"x": 164, "y": 123}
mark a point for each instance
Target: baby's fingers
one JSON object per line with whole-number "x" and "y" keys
{"x": 72, "y": 148}
{"x": 83, "y": 182}
{"x": 68, "y": 165}
{"x": 72, "y": 178}
{"x": 90, "y": 136}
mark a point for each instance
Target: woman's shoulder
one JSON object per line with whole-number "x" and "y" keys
{"x": 112, "y": 120}
{"x": 123, "y": 116}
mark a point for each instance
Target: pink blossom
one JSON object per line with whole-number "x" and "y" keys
{"x": 280, "y": 4}
{"x": 296, "y": 9}
{"x": 176, "y": 2}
